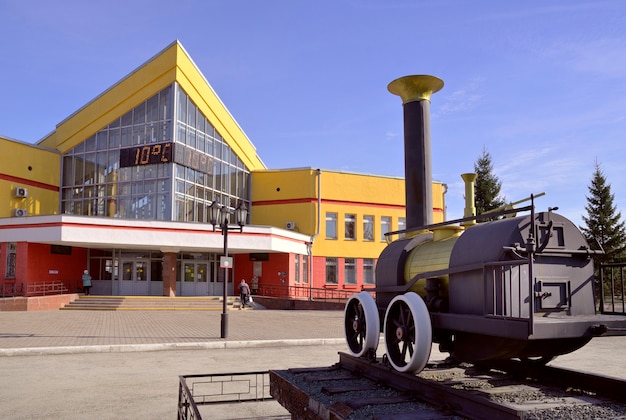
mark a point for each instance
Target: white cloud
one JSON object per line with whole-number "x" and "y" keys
{"x": 462, "y": 99}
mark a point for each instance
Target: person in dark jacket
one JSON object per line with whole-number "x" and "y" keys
{"x": 244, "y": 293}
{"x": 86, "y": 282}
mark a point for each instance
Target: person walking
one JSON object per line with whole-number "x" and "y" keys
{"x": 86, "y": 282}
{"x": 244, "y": 292}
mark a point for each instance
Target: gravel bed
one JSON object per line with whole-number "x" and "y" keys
{"x": 561, "y": 404}
{"x": 580, "y": 412}
{"x": 314, "y": 390}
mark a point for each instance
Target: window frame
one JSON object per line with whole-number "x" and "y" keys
{"x": 331, "y": 221}
{"x": 385, "y": 226}
{"x": 349, "y": 226}
{"x": 368, "y": 227}
{"x": 332, "y": 265}
{"x": 349, "y": 271}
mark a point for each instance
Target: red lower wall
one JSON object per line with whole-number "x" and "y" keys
{"x": 36, "y": 303}
{"x": 36, "y": 264}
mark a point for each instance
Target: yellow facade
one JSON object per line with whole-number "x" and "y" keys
{"x": 171, "y": 65}
{"x": 36, "y": 170}
{"x": 289, "y": 199}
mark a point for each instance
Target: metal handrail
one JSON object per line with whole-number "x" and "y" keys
{"x": 44, "y": 289}
{"x": 11, "y": 290}
{"x": 306, "y": 292}
{"x": 33, "y": 289}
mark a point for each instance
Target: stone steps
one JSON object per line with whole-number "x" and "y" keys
{"x": 150, "y": 303}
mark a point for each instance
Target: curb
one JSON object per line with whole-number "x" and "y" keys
{"x": 125, "y": 348}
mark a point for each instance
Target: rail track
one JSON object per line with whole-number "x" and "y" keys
{"x": 358, "y": 388}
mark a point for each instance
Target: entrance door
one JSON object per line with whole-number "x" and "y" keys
{"x": 215, "y": 288}
{"x": 134, "y": 275}
{"x": 195, "y": 279}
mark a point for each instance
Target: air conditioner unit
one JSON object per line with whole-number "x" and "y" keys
{"x": 20, "y": 212}
{"x": 21, "y": 192}
{"x": 291, "y": 225}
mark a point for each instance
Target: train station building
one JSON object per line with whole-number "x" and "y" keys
{"x": 125, "y": 187}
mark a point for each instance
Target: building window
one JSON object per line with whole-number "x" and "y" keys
{"x": 368, "y": 228}
{"x": 350, "y": 226}
{"x": 385, "y": 226}
{"x": 297, "y": 268}
{"x": 331, "y": 225}
{"x": 368, "y": 271}
{"x": 350, "y": 271}
{"x": 331, "y": 270}
{"x": 402, "y": 225}
{"x": 305, "y": 270}
{"x": 11, "y": 260}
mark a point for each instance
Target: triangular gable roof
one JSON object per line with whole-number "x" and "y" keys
{"x": 173, "y": 64}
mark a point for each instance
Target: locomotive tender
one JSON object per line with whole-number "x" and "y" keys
{"x": 520, "y": 286}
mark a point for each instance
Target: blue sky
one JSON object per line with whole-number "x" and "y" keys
{"x": 541, "y": 85}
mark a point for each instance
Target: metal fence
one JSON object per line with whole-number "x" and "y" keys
{"x": 612, "y": 291}
{"x": 221, "y": 388}
{"x": 35, "y": 289}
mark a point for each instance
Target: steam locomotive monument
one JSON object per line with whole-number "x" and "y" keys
{"x": 516, "y": 283}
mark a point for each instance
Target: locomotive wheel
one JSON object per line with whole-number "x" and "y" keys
{"x": 362, "y": 326}
{"x": 408, "y": 333}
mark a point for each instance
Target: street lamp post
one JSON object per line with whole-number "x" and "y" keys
{"x": 220, "y": 217}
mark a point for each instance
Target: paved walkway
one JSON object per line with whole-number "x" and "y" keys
{"x": 56, "y": 332}
{"x": 99, "y": 364}
{"x": 72, "y": 332}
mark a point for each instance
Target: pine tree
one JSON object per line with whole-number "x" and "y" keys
{"x": 487, "y": 187}
{"x": 603, "y": 222}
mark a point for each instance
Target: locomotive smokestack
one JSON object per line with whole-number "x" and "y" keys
{"x": 415, "y": 92}
{"x": 470, "y": 208}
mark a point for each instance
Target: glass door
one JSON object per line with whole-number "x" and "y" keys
{"x": 134, "y": 275}
{"x": 195, "y": 279}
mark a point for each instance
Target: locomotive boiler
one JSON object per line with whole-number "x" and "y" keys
{"x": 516, "y": 283}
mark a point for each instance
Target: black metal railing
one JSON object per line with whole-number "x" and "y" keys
{"x": 612, "y": 288}
{"x": 221, "y": 388}
{"x": 308, "y": 293}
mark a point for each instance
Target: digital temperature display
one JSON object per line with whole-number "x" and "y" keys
{"x": 193, "y": 159}
{"x": 147, "y": 154}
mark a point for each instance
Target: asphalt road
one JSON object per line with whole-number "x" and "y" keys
{"x": 127, "y": 366}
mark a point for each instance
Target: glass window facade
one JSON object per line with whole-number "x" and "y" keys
{"x": 163, "y": 160}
